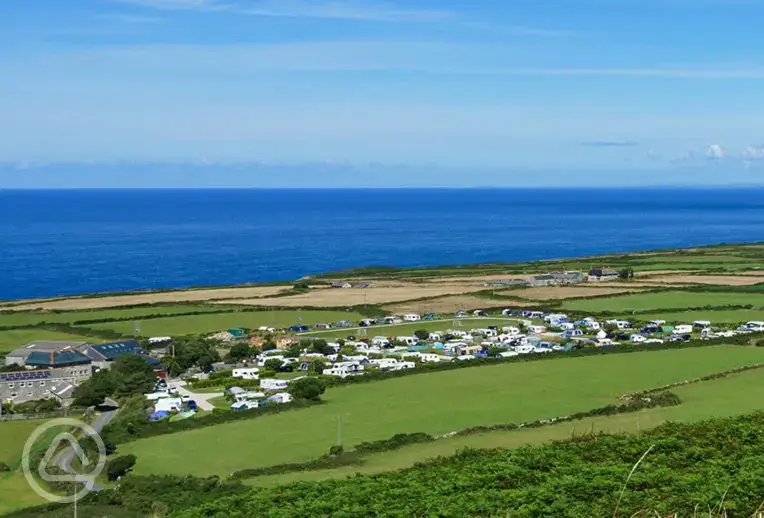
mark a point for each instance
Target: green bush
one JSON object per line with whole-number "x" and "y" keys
{"x": 119, "y": 467}
{"x": 4, "y": 467}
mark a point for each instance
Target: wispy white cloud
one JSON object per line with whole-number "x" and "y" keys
{"x": 753, "y": 153}
{"x": 362, "y": 10}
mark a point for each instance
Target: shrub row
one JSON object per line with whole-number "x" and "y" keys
{"x": 328, "y": 461}
{"x": 142, "y": 429}
{"x": 225, "y": 382}
{"x": 393, "y": 443}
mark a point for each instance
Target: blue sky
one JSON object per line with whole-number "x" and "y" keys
{"x": 537, "y": 92}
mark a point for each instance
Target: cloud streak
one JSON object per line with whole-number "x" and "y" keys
{"x": 358, "y": 10}
{"x": 609, "y": 143}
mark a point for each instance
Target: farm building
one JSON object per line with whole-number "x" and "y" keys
{"x": 602, "y": 274}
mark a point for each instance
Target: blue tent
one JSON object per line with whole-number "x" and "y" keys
{"x": 158, "y": 416}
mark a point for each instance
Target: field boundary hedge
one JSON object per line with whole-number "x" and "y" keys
{"x": 709, "y": 377}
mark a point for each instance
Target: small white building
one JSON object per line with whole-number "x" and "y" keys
{"x": 273, "y": 384}
{"x": 247, "y": 373}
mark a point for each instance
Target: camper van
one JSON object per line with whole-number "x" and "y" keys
{"x": 412, "y": 317}
{"x": 683, "y": 329}
{"x": 408, "y": 340}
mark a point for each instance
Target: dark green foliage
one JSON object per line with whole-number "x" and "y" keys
{"x": 273, "y": 364}
{"x": 422, "y": 334}
{"x": 193, "y": 352}
{"x": 320, "y": 346}
{"x": 396, "y": 441}
{"x": 329, "y": 461}
{"x": 38, "y": 406}
{"x": 4, "y": 467}
{"x": 693, "y": 465}
{"x": 129, "y": 375}
{"x": 119, "y": 466}
{"x": 225, "y": 383}
{"x": 239, "y": 351}
{"x": 307, "y": 388}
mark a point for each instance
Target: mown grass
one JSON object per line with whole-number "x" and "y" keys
{"x": 195, "y": 324}
{"x": 435, "y": 403}
{"x": 13, "y": 338}
{"x": 13, "y": 435}
{"x": 664, "y": 300}
{"x": 10, "y": 319}
{"x": 738, "y": 394}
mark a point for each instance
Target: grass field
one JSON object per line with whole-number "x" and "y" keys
{"x": 720, "y": 316}
{"x": 30, "y": 318}
{"x": 13, "y": 338}
{"x": 739, "y": 394}
{"x": 665, "y": 300}
{"x": 13, "y": 434}
{"x": 436, "y": 403}
{"x": 15, "y": 493}
{"x": 409, "y": 329}
{"x": 194, "y": 324}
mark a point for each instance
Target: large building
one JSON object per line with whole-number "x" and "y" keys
{"x": 28, "y": 385}
{"x": 19, "y": 356}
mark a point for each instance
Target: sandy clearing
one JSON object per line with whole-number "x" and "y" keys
{"x": 654, "y": 273}
{"x": 562, "y": 292}
{"x": 339, "y": 297}
{"x": 151, "y": 298}
{"x": 448, "y": 304}
{"x": 751, "y": 272}
{"x": 728, "y": 280}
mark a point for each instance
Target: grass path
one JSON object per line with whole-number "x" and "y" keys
{"x": 436, "y": 403}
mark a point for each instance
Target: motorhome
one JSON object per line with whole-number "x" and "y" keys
{"x": 683, "y": 329}
{"x": 511, "y": 330}
{"x": 524, "y": 349}
{"x": 756, "y": 327}
{"x": 248, "y": 373}
{"x": 412, "y": 317}
{"x": 537, "y": 329}
{"x": 701, "y": 323}
{"x": 408, "y": 340}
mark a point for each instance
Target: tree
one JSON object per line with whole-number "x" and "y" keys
{"x": 422, "y": 334}
{"x": 273, "y": 364}
{"x": 239, "y": 352}
{"x": 316, "y": 367}
{"x": 626, "y": 273}
{"x": 133, "y": 375}
{"x": 92, "y": 392}
{"x": 269, "y": 346}
{"x": 321, "y": 347}
{"x": 119, "y": 466}
{"x": 307, "y": 388}
{"x": 347, "y": 350}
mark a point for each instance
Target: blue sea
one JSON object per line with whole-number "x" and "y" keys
{"x": 57, "y": 242}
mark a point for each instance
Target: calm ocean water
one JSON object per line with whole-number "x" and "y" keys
{"x": 81, "y": 241}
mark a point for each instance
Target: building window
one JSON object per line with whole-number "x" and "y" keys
{"x": 30, "y": 393}
{"x": 22, "y": 384}
{"x": 13, "y": 396}
{"x": 10, "y": 385}
{"x": 42, "y": 383}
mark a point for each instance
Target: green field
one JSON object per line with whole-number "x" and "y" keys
{"x": 13, "y": 434}
{"x": 436, "y": 403}
{"x": 738, "y": 394}
{"x": 195, "y": 324}
{"x": 408, "y": 329}
{"x": 9, "y": 319}
{"x": 664, "y": 300}
{"x": 718, "y": 316}
{"x": 13, "y": 338}
{"x": 15, "y": 493}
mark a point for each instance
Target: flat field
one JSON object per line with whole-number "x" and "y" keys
{"x": 113, "y": 301}
{"x": 724, "y": 280}
{"x": 567, "y": 292}
{"x": 665, "y": 300}
{"x": 448, "y": 304}
{"x": 436, "y": 403}
{"x": 342, "y": 298}
{"x": 37, "y": 317}
{"x": 13, "y": 434}
{"x": 15, "y": 493}
{"x": 194, "y": 324}
{"x": 738, "y": 394}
